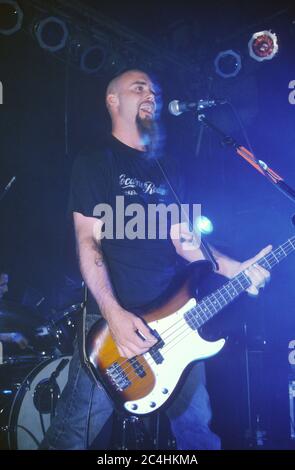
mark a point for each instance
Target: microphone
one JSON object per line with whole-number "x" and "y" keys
{"x": 178, "y": 107}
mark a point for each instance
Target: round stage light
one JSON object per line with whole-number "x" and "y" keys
{"x": 93, "y": 59}
{"x": 228, "y": 63}
{"x": 263, "y": 45}
{"x": 52, "y": 33}
{"x": 11, "y": 17}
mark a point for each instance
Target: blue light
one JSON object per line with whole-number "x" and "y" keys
{"x": 203, "y": 225}
{"x": 7, "y": 392}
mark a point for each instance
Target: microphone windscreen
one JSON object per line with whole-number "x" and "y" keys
{"x": 174, "y": 108}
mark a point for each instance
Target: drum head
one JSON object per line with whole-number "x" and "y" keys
{"x": 34, "y": 404}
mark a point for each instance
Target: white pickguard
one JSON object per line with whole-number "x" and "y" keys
{"x": 182, "y": 346}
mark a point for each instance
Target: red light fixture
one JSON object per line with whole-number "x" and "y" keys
{"x": 263, "y": 45}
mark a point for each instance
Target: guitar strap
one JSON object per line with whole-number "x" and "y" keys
{"x": 81, "y": 339}
{"x": 204, "y": 245}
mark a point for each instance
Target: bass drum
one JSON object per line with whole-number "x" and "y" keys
{"x": 34, "y": 404}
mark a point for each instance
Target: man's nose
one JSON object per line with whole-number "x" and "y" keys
{"x": 151, "y": 97}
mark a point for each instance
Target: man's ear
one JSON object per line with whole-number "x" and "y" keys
{"x": 112, "y": 100}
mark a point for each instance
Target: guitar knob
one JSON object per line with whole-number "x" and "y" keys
{"x": 152, "y": 404}
{"x": 165, "y": 391}
{"x": 134, "y": 407}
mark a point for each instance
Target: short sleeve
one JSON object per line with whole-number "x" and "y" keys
{"x": 89, "y": 184}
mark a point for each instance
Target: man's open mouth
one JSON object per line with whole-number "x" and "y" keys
{"x": 148, "y": 107}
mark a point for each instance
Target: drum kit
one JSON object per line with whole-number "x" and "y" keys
{"x": 33, "y": 371}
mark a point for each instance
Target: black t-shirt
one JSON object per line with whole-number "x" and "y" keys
{"x": 140, "y": 269}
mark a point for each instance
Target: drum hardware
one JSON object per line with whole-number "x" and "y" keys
{"x": 26, "y": 412}
{"x": 51, "y": 338}
{"x": 151, "y": 432}
{"x": 63, "y": 328}
{"x": 32, "y": 380}
{"x": 16, "y": 316}
{"x": 47, "y": 392}
{"x": 131, "y": 426}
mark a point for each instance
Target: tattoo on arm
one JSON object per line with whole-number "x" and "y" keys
{"x": 99, "y": 261}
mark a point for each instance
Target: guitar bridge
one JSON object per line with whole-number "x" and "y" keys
{"x": 118, "y": 377}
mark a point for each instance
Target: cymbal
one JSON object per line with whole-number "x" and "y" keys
{"x": 61, "y": 315}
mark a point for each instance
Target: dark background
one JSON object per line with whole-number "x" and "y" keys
{"x": 52, "y": 109}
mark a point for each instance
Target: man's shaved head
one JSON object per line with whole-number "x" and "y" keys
{"x": 132, "y": 99}
{"x": 114, "y": 84}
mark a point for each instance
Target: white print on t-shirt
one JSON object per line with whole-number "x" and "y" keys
{"x": 129, "y": 184}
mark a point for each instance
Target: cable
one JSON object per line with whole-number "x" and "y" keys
{"x": 86, "y": 442}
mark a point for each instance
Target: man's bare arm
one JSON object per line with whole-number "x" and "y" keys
{"x": 123, "y": 325}
{"x": 187, "y": 245}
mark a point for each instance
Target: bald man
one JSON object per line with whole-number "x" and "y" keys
{"x": 125, "y": 274}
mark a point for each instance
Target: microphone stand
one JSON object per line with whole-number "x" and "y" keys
{"x": 54, "y": 388}
{"x": 259, "y": 165}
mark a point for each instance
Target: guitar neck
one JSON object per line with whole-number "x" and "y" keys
{"x": 215, "y": 302}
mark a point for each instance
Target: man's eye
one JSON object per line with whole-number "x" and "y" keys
{"x": 139, "y": 88}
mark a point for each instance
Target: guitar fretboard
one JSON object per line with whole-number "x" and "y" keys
{"x": 215, "y": 302}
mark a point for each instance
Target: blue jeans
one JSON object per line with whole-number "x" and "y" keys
{"x": 84, "y": 408}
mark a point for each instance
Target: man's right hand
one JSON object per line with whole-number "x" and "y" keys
{"x": 130, "y": 333}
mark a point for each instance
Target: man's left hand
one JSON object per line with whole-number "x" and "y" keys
{"x": 257, "y": 275}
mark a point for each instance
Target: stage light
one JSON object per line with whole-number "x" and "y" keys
{"x": 11, "y": 17}
{"x": 263, "y": 45}
{"x": 93, "y": 59}
{"x": 203, "y": 225}
{"x": 52, "y": 33}
{"x": 228, "y": 63}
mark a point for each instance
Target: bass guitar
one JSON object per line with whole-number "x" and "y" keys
{"x": 144, "y": 383}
